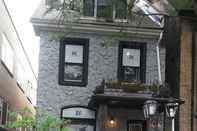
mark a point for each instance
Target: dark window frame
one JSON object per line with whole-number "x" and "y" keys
{"x": 74, "y": 41}
{"x": 132, "y": 45}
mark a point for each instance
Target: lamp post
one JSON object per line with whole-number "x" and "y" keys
{"x": 171, "y": 109}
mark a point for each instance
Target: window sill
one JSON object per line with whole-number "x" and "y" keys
{"x": 96, "y": 19}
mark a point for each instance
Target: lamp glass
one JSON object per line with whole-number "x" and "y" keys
{"x": 171, "y": 109}
{"x": 150, "y": 107}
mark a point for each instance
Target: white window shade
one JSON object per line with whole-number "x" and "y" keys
{"x": 131, "y": 57}
{"x": 74, "y": 53}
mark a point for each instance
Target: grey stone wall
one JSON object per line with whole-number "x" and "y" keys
{"x": 102, "y": 65}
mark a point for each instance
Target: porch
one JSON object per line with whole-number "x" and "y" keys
{"x": 121, "y": 108}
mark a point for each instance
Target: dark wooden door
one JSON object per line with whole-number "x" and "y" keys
{"x": 136, "y": 125}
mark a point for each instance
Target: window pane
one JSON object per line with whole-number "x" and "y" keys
{"x": 73, "y": 73}
{"x": 74, "y": 53}
{"x": 104, "y": 8}
{"x": 121, "y": 9}
{"x": 88, "y": 8}
{"x": 131, "y": 74}
{"x": 7, "y": 54}
{"x": 131, "y": 57}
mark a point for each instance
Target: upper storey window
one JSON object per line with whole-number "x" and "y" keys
{"x": 114, "y": 9}
{"x": 73, "y": 67}
{"x": 132, "y": 61}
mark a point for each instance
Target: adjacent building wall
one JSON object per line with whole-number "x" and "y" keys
{"x": 17, "y": 96}
{"x": 186, "y": 75}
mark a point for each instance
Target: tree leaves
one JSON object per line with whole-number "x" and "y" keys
{"x": 42, "y": 122}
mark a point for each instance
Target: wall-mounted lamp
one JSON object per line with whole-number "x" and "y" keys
{"x": 150, "y": 107}
{"x": 112, "y": 123}
{"x": 171, "y": 109}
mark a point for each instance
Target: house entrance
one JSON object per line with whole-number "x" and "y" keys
{"x": 136, "y": 125}
{"x": 82, "y": 118}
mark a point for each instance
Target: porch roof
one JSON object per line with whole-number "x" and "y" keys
{"x": 129, "y": 100}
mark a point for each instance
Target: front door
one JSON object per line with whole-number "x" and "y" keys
{"x": 136, "y": 125}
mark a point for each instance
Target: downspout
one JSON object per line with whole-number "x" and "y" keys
{"x": 158, "y": 59}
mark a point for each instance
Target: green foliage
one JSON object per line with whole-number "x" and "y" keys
{"x": 183, "y": 4}
{"x": 43, "y": 122}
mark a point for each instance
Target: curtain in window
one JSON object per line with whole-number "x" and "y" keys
{"x": 105, "y": 8}
{"x": 121, "y": 9}
{"x": 88, "y": 8}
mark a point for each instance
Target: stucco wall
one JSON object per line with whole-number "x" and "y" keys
{"x": 102, "y": 65}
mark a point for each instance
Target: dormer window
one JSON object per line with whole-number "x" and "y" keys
{"x": 105, "y": 8}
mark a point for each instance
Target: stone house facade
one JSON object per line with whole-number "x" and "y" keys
{"x": 63, "y": 83}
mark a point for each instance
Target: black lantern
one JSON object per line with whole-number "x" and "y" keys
{"x": 171, "y": 109}
{"x": 150, "y": 108}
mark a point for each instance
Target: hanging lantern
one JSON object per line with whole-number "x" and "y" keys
{"x": 171, "y": 109}
{"x": 150, "y": 107}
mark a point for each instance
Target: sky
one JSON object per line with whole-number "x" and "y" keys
{"x": 21, "y": 12}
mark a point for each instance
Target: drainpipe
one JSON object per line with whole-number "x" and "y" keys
{"x": 158, "y": 59}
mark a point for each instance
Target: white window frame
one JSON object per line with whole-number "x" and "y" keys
{"x": 113, "y": 13}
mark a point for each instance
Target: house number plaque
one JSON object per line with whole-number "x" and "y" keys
{"x": 78, "y": 112}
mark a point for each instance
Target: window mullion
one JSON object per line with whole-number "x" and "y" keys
{"x": 114, "y": 12}
{"x": 95, "y": 8}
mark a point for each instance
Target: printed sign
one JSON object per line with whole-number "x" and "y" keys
{"x": 78, "y": 112}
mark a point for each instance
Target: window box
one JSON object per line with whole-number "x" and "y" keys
{"x": 73, "y": 67}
